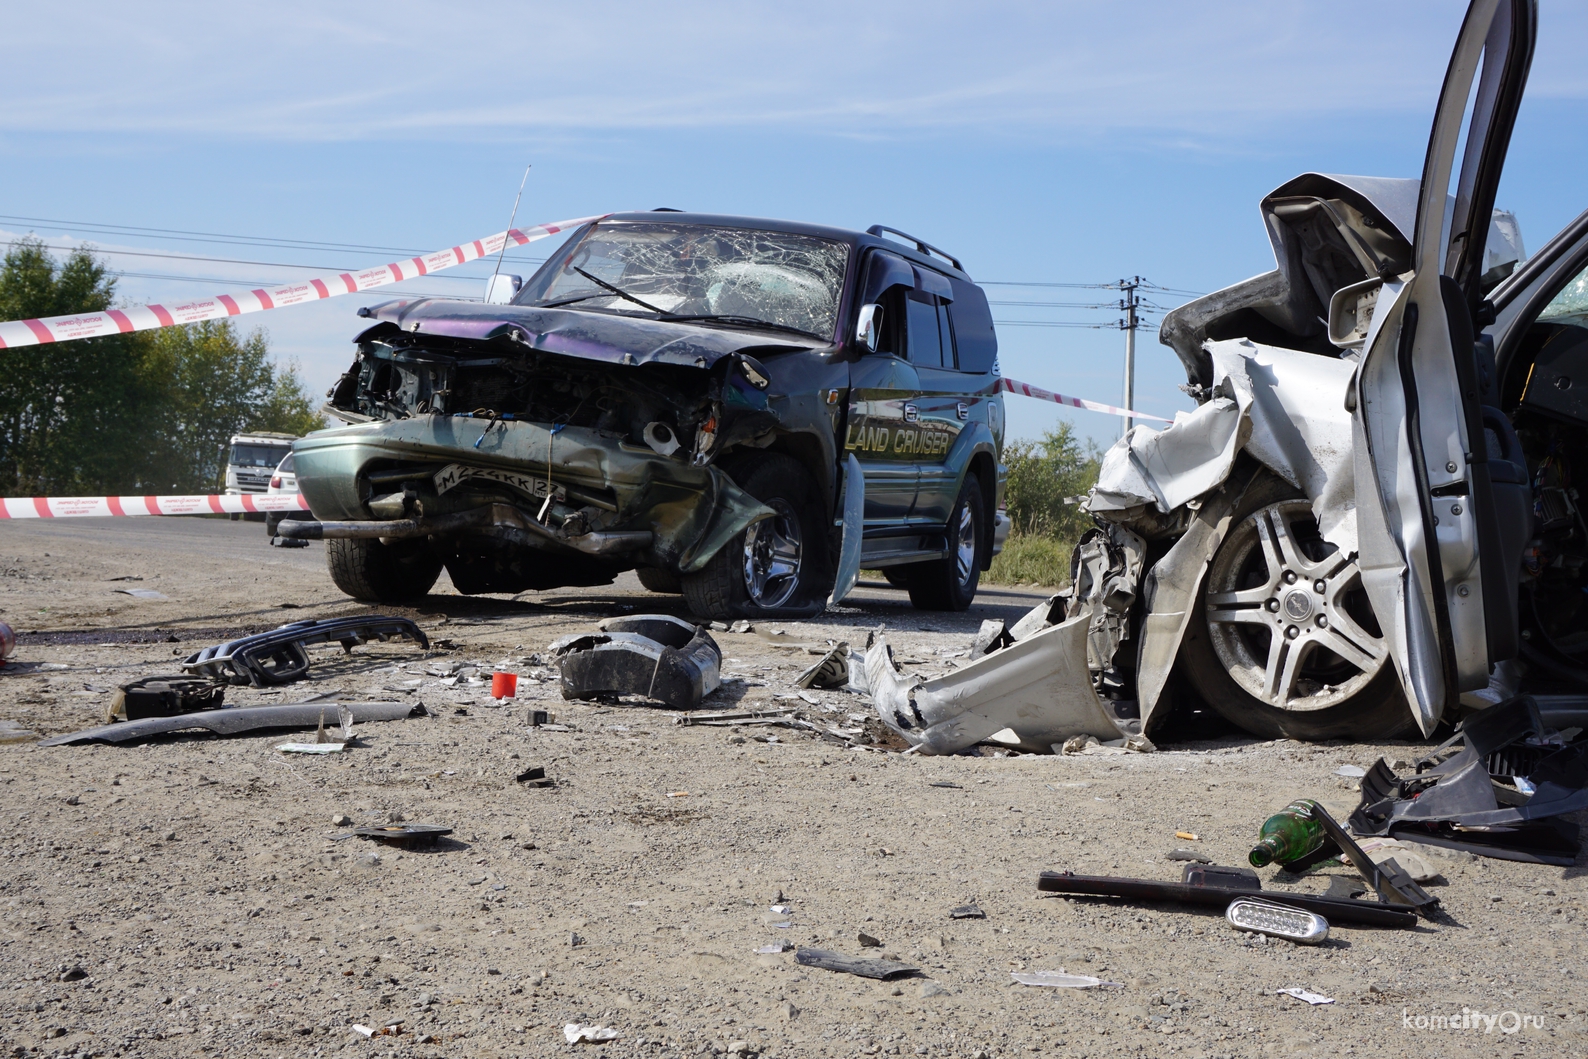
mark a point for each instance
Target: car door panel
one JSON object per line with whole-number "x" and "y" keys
{"x": 881, "y": 386}
{"x": 1417, "y": 489}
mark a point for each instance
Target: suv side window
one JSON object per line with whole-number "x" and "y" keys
{"x": 974, "y": 338}
{"x": 924, "y": 332}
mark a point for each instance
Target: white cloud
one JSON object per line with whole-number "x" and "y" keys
{"x": 1163, "y": 71}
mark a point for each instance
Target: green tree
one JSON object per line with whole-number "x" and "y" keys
{"x": 215, "y": 384}
{"x": 146, "y": 412}
{"x": 1041, "y": 474}
{"x": 66, "y": 409}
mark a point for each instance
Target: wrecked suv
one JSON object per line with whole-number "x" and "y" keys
{"x": 1371, "y": 519}
{"x": 744, "y": 411}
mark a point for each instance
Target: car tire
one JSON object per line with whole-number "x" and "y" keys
{"x": 897, "y": 576}
{"x": 774, "y": 567}
{"x": 368, "y": 569}
{"x": 664, "y": 581}
{"x": 950, "y": 583}
{"x": 1301, "y": 688}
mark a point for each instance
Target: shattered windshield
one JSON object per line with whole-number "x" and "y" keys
{"x": 738, "y": 275}
{"x": 1570, "y": 306}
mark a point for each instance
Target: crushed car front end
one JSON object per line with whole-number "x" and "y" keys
{"x": 576, "y": 432}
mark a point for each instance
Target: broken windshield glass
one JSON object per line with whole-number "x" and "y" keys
{"x": 738, "y": 275}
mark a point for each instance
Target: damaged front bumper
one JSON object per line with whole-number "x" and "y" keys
{"x": 560, "y": 489}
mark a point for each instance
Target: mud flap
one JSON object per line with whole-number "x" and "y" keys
{"x": 854, "y": 530}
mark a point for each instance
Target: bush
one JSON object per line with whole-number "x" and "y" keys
{"x": 1044, "y": 528}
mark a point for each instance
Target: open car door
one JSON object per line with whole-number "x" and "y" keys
{"x": 1431, "y": 556}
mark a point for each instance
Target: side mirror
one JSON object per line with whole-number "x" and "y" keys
{"x": 501, "y": 289}
{"x": 1351, "y": 313}
{"x": 869, "y": 329}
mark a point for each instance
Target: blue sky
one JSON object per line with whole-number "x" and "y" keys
{"x": 1055, "y": 142}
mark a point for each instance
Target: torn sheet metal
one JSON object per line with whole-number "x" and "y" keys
{"x": 1300, "y": 428}
{"x": 279, "y": 656}
{"x": 1166, "y": 468}
{"x": 854, "y": 510}
{"x": 237, "y": 720}
{"x": 1040, "y": 689}
{"x": 653, "y": 656}
{"x": 1105, "y": 572}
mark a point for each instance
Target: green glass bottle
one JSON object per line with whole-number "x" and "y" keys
{"x": 1288, "y": 835}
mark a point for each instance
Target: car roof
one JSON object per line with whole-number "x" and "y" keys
{"x": 860, "y": 240}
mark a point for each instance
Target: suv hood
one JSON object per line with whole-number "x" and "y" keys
{"x": 601, "y": 337}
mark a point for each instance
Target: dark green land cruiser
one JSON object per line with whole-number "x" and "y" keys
{"x": 684, "y": 394}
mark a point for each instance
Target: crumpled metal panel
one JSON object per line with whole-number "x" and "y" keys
{"x": 1040, "y": 688}
{"x": 1166, "y": 468}
{"x": 1300, "y": 428}
{"x": 607, "y": 338}
{"x": 237, "y": 720}
{"x": 693, "y": 511}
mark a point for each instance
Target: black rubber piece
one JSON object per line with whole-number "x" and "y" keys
{"x": 367, "y": 569}
{"x": 663, "y": 581}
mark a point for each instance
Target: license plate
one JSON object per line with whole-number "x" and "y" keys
{"x": 454, "y": 473}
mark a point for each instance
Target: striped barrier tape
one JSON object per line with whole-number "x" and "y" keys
{"x": 47, "y": 329}
{"x": 1025, "y": 389}
{"x": 104, "y": 506}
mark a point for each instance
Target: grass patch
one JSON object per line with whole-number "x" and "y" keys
{"x": 1031, "y": 559}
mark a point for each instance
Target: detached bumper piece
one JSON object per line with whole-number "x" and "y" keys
{"x": 237, "y": 720}
{"x": 652, "y": 656}
{"x": 279, "y": 656}
{"x": 1501, "y": 796}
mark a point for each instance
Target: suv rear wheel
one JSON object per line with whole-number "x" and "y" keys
{"x": 950, "y": 583}
{"x": 773, "y": 566}
{"x": 655, "y": 580}
{"x": 366, "y": 568}
{"x": 1282, "y": 640}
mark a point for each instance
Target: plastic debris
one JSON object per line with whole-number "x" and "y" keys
{"x": 504, "y": 685}
{"x": 1062, "y": 980}
{"x": 831, "y": 672}
{"x": 881, "y": 970}
{"x": 966, "y": 912}
{"x": 334, "y": 743}
{"x": 781, "y": 946}
{"x": 579, "y": 1033}
{"x": 1354, "y": 772}
{"x": 535, "y": 776}
{"x": 1302, "y": 994}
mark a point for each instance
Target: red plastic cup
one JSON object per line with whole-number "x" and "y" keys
{"x": 504, "y": 685}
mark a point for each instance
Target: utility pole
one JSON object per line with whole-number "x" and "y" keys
{"x": 1128, "y": 305}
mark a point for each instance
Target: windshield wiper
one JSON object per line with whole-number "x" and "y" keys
{"x": 746, "y": 321}
{"x": 619, "y": 291}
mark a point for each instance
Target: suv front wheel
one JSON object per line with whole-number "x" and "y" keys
{"x": 773, "y": 567}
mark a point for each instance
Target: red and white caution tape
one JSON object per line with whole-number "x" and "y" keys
{"x": 1025, "y": 389}
{"x": 148, "y": 317}
{"x": 105, "y": 506}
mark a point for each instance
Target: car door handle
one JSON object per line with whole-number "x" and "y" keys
{"x": 962, "y": 410}
{"x": 912, "y": 414}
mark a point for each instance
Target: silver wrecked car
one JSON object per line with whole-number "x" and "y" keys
{"x": 1370, "y": 518}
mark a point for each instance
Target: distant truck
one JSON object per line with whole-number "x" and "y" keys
{"x": 252, "y": 459}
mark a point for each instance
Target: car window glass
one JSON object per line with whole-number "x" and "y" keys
{"x": 945, "y": 331}
{"x": 1570, "y": 306}
{"x": 926, "y": 349}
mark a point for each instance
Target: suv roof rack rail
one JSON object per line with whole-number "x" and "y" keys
{"x": 920, "y": 244}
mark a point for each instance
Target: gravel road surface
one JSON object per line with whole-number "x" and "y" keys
{"x": 197, "y": 896}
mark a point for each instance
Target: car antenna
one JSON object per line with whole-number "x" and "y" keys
{"x": 511, "y": 218}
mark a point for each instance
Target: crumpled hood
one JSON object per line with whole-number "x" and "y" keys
{"x": 601, "y": 337}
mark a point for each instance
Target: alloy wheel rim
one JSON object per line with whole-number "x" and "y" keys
{"x": 772, "y": 553}
{"x": 965, "y": 545}
{"x": 1287, "y": 615}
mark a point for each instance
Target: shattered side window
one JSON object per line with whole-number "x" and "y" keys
{"x": 1570, "y": 306}
{"x": 683, "y": 270}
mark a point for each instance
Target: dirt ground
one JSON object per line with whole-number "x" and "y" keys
{"x": 203, "y": 890}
